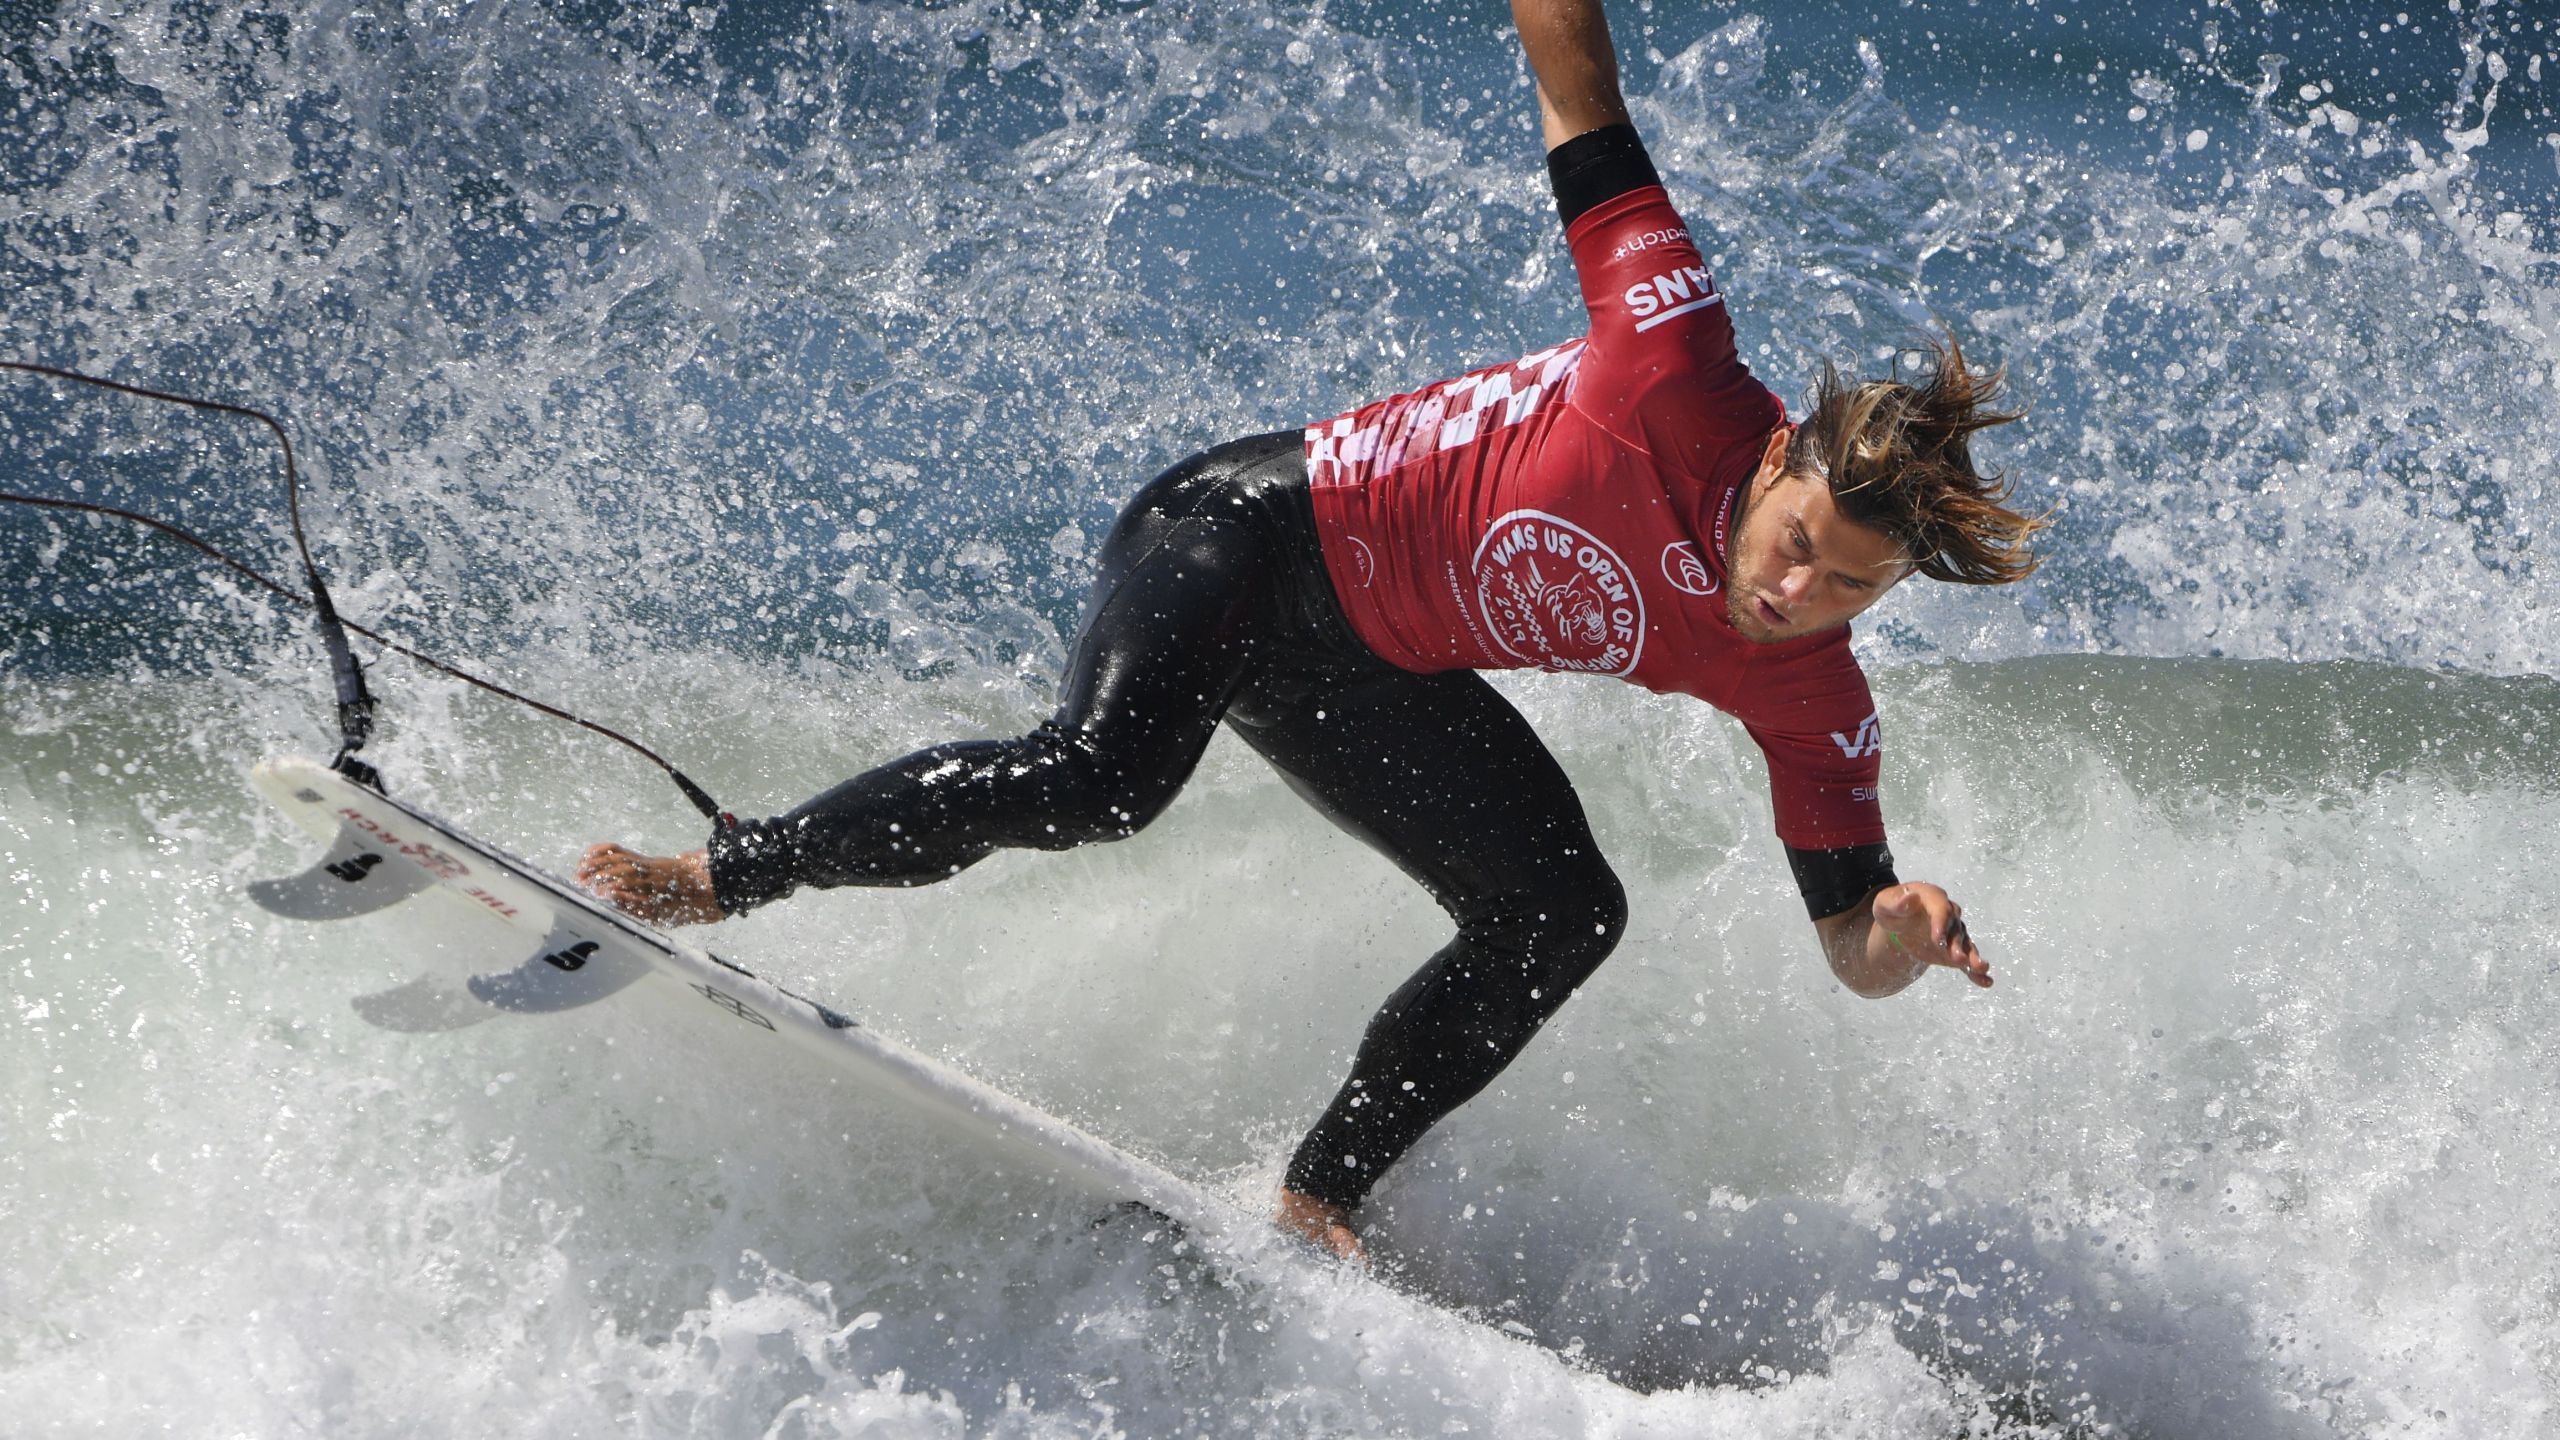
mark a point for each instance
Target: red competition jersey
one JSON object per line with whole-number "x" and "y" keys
{"x": 1570, "y": 511}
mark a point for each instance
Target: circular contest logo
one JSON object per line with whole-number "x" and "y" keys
{"x": 1555, "y": 597}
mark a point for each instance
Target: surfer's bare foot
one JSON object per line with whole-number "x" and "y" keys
{"x": 1320, "y": 1223}
{"x": 661, "y": 889}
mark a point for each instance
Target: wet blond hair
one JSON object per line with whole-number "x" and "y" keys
{"x": 1894, "y": 453}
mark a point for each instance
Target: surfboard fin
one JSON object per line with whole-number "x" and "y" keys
{"x": 567, "y": 972}
{"x": 352, "y": 879}
{"x": 425, "y": 1006}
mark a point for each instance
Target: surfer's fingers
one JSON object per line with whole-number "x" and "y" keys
{"x": 1946, "y": 922}
{"x": 1965, "y": 955}
{"x": 600, "y": 855}
{"x": 622, "y": 863}
{"x": 621, "y": 876}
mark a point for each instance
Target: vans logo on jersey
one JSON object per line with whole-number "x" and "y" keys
{"x": 1687, "y": 573}
{"x": 1555, "y": 597}
{"x": 1868, "y": 741}
{"x": 1672, "y": 293}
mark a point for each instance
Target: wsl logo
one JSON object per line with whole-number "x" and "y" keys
{"x": 1555, "y": 597}
{"x": 1687, "y": 573}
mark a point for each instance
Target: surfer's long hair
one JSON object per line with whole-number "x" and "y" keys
{"x": 1896, "y": 457}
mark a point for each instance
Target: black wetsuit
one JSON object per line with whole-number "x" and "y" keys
{"x": 1213, "y": 604}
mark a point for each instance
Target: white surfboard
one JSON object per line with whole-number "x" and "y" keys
{"x": 555, "y": 948}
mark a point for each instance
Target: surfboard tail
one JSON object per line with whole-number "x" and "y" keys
{"x": 577, "y": 951}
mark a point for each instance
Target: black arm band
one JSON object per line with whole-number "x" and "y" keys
{"x": 1597, "y": 166}
{"x": 1836, "y": 880}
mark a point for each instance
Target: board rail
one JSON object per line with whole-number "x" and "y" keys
{"x": 576, "y": 951}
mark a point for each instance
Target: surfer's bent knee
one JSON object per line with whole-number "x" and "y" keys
{"x": 1562, "y": 931}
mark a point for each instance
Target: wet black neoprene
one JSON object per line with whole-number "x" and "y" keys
{"x": 1212, "y": 604}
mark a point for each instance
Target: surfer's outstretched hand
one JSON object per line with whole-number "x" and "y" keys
{"x": 1892, "y": 937}
{"x": 661, "y": 889}
{"x": 1920, "y": 921}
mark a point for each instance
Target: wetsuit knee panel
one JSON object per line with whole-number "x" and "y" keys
{"x": 1566, "y": 925}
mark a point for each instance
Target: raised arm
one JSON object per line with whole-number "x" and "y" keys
{"x": 1576, "y": 66}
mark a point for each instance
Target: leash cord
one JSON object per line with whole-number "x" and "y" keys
{"x": 355, "y": 702}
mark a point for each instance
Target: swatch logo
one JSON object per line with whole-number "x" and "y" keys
{"x": 1687, "y": 573}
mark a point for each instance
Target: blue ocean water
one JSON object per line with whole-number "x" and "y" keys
{"x": 759, "y": 378}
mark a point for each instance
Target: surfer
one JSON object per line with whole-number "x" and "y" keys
{"x": 1632, "y": 503}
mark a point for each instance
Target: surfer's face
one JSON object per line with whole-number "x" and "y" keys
{"x": 1796, "y": 566}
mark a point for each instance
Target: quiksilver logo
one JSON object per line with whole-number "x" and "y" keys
{"x": 1868, "y": 741}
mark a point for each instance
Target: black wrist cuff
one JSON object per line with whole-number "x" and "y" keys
{"x": 752, "y": 864}
{"x": 1833, "y": 881}
{"x": 1596, "y": 166}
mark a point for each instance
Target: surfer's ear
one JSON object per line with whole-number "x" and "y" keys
{"x": 1773, "y": 460}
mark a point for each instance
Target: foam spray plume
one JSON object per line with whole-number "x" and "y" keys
{"x": 354, "y": 698}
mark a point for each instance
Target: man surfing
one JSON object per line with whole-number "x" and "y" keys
{"x": 1631, "y": 503}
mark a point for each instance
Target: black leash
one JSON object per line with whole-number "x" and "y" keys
{"x": 355, "y": 700}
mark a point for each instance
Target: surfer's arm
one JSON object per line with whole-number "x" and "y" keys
{"x": 1889, "y": 939}
{"x": 1878, "y": 931}
{"x": 1576, "y": 65}
{"x": 1660, "y": 371}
